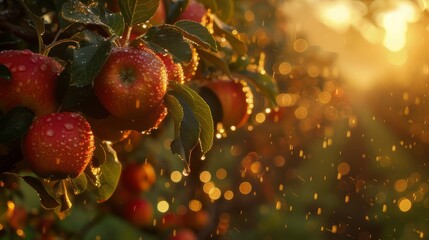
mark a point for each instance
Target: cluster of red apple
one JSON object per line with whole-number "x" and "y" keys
{"x": 136, "y": 82}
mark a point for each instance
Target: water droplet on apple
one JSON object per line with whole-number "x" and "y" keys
{"x": 50, "y": 132}
{"x": 22, "y": 68}
{"x": 68, "y": 126}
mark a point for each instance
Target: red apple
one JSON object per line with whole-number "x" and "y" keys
{"x": 139, "y": 212}
{"x": 158, "y": 18}
{"x": 197, "y": 220}
{"x": 104, "y": 131}
{"x": 236, "y": 100}
{"x": 131, "y": 83}
{"x": 138, "y": 177}
{"x": 174, "y": 70}
{"x": 184, "y": 234}
{"x": 145, "y": 123}
{"x": 59, "y": 145}
{"x": 194, "y": 11}
{"x": 33, "y": 82}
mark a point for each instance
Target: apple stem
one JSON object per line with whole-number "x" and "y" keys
{"x": 53, "y": 44}
{"x": 65, "y": 200}
{"x": 127, "y": 37}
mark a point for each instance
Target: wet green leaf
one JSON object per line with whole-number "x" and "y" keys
{"x": 223, "y": 30}
{"x": 138, "y": 11}
{"x": 106, "y": 176}
{"x": 197, "y": 33}
{"x": 214, "y": 60}
{"x": 80, "y": 184}
{"x": 170, "y": 39}
{"x": 265, "y": 84}
{"x": 175, "y": 111}
{"x": 87, "y": 62}
{"x": 15, "y": 123}
{"x": 201, "y": 111}
{"x": 190, "y": 130}
{"x": 76, "y": 11}
{"x": 46, "y": 199}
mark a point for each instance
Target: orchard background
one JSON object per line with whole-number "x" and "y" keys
{"x": 204, "y": 119}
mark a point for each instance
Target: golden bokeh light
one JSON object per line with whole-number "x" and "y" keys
{"x": 205, "y": 176}
{"x": 228, "y": 195}
{"x": 401, "y": 185}
{"x": 176, "y": 176}
{"x": 245, "y": 188}
{"x": 404, "y": 204}
{"x": 195, "y": 205}
{"x": 163, "y": 206}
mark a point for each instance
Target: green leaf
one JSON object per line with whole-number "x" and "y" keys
{"x": 76, "y": 11}
{"x": 223, "y": 30}
{"x": 176, "y": 112}
{"x": 100, "y": 153}
{"x": 225, "y": 10}
{"x": 87, "y": 62}
{"x": 190, "y": 130}
{"x": 113, "y": 21}
{"x": 15, "y": 123}
{"x": 106, "y": 176}
{"x": 138, "y": 11}
{"x": 168, "y": 38}
{"x": 80, "y": 184}
{"x": 214, "y": 60}
{"x": 46, "y": 199}
{"x": 197, "y": 33}
{"x": 201, "y": 111}
{"x": 265, "y": 84}
{"x": 4, "y": 72}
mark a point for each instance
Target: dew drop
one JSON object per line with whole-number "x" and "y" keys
{"x": 68, "y": 126}
{"x": 74, "y": 115}
{"x": 50, "y": 132}
{"x": 22, "y": 68}
{"x": 186, "y": 172}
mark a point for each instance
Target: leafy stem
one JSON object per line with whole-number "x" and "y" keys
{"x": 128, "y": 35}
